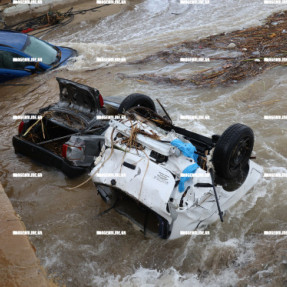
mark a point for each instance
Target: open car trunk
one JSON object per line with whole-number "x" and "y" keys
{"x": 43, "y": 135}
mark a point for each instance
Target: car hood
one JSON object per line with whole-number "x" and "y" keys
{"x": 66, "y": 53}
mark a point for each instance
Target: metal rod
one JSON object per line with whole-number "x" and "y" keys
{"x": 67, "y": 136}
{"x": 220, "y": 213}
{"x": 164, "y": 110}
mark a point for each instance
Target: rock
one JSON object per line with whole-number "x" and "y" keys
{"x": 231, "y": 46}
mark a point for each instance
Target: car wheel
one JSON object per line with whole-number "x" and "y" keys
{"x": 135, "y": 100}
{"x": 233, "y": 150}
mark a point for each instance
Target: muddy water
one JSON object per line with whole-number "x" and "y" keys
{"x": 236, "y": 253}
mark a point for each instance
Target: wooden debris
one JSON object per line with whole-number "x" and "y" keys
{"x": 253, "y": 45}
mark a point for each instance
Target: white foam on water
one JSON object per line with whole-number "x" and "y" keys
{"x": 275, "y": 154}
{"x": 53, "y": 256}
{"x": 169, "y": 277}
{"x": 155, "y": 24}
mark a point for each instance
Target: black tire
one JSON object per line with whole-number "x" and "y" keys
{"x": 135, "y": 100}
{"x": 233, "y": 150}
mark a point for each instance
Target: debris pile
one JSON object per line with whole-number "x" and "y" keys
{"x": 257, "y": 49}
{"x": 44, "y": 21}
{"x": 50, "y": 21}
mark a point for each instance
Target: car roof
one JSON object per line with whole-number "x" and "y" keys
{"x": 12, "y": 39}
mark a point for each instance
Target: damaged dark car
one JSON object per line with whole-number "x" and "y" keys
{"x": 70, "y": 133}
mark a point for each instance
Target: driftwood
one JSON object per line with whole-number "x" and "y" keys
{"x": 253, "y": 46}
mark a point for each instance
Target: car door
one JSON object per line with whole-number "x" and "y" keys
{"x": 10, "y": 68}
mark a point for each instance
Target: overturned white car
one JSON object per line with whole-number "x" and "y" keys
{"x": 179, "y": 180}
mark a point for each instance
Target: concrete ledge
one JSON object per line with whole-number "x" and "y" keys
{"x": 19, "y": 265}
{"x": 29, "y": 11}
{"x": 2, "y": 2}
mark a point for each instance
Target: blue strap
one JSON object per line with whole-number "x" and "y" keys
{"x": 190, "y": 169}
{"x": 188, "y": 149}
